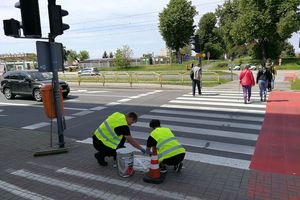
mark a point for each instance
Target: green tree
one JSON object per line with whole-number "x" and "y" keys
{"x": 176, "y": 23}
{"x": 111, "y": 55}
{"x": 210, "y": 36}
{"x": 265, "y": 24}
{"x": 83, "y": 55}
{"x": 123, "y": 56}
{"x": 104, "y": 55}
{"x": 288, "y": 50}
{"x": 71, "y": 56}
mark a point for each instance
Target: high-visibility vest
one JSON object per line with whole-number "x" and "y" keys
{"x": 106, "y": 131}
{"x": 167, "y": 145}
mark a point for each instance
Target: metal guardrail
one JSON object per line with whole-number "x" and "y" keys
{"x": 153, "y": 77}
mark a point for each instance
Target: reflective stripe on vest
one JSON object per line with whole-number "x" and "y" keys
{"x": 161, "y": 155}
{"x": 167, "y": 144}
{"x": 105, "y": 132}
{"x": 164, "y": 142}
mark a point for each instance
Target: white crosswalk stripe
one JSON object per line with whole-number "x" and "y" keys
{"x": 221, "y": 131}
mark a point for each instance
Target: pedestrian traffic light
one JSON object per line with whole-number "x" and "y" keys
{"x": 30, "y": 14}
{"x": 11, "y": 27}
{"x": 195, "y": 44}
{"x": 56, "y": 14}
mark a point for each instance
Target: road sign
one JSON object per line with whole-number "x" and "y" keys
{"x": 200, "y": 55}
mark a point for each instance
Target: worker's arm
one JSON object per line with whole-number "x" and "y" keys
{"x": 133, "y": 142}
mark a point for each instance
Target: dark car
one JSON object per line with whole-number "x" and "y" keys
{"x": 28, "y": 83}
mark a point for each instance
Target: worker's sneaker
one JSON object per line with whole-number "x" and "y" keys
{"x": 178, "y": 167}
{"x": 100, "y": 159}
{"x": 163, "y": 169}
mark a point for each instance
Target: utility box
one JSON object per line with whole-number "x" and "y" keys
{"x": 48, "y": 101}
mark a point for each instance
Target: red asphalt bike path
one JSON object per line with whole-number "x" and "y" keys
{"x": 278, "y": 145}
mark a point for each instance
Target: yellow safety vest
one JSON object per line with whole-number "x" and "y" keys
{"x": 167, "y": 145}
{"x": 106, "y": 131}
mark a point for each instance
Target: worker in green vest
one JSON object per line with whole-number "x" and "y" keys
{"x": 111, "y": 135}
{"x": 169, "y": 150}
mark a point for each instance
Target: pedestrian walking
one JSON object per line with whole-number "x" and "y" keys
{"x": 263, "y": 78}
{"x": 247, "y": 81}
{"x": 111, "y": 135}
{"x": 196, "y": 77}
{"x": 271, "y": 68}
{"x": 170, "y": 151}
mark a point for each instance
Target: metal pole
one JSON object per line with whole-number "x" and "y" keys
{"x": 56, "y": 92}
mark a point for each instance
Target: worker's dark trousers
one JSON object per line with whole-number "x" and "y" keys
{"x": 175, "y": 160}
{"x": 105, "y": 151}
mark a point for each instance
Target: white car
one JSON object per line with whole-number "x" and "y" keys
{"x": 88, "y": 72}
{"x": 237, "y": 67}
{"x": 252, "y": 67}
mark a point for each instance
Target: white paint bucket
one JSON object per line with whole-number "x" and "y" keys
{"x": 125, "y": 162}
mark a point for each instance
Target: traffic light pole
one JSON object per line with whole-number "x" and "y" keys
{"x": 56, "y": 92}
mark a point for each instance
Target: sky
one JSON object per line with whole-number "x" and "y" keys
{"x": 101, "y": 25}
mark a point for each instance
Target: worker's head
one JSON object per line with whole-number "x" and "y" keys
{"x": 154, "y": 123}
{"x": 131, "y": 118}
{"x": 247, "y": 66}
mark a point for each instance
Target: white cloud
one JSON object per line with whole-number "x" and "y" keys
{"x": 102, "y": 25}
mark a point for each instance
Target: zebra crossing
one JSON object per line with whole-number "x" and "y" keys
{"x": 216, "y": 127}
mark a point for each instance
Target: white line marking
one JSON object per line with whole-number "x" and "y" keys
{"x": 200, "y": 157}
{"x": 213, "y": 109}
{"x": 134, "y": 186}
{"x": 79, "y": 90}
{"x": 124, "y": 100}
{"x": 219, "y": 146}
{"x": 212, "y": 99}
{"x": 101, "y": 95}
{"x": 82, "y": 113}
{"x": 15, "y": 104}
{"x": 72, "y": 100}
{"x": 39, "y": 106}
{"x": 212, "y": 115}
{"x": 219, "y": 104}
{"x": 94, "y": 92}
{"x": 112, "y": 104}
{"x": 92, "y": 192}
{"x": 98, "y": 108}
{"x": 227, "y": 91}
{"x": 36, "y": 126}
{"x": 203, "y": 131}
{"x": 205, "y": 122}
{"x": 26, "y": 194}
{"x": 221, "y": 97}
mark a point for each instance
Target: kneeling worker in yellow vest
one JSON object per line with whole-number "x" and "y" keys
{"x": 169, "y": 150}
{"x": 111, "y": 135}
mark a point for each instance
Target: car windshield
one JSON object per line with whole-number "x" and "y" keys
{"x": 40, "y": 76}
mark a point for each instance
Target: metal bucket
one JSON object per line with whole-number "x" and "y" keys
{"x": 125, "y": 162}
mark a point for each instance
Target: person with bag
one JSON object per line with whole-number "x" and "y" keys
{"x": 247, "y": 81}
{"x": 111, "y": 135}
{"x": 169, "y": 149}
{"x": 263, "y": 78}
{"x": 196, "y": 77}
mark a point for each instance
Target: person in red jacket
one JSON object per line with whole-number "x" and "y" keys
{"x": 247, "y": 81}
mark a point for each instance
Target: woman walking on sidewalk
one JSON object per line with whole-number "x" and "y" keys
{"x": 263, "y": 78}
{"x": 247, "y": 81}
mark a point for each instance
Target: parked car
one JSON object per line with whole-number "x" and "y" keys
{"x": 88, "y": 72}
{"x": 237, "y": 67}
{"x": 28, "y": 83}
{"x": 252, "y": 67}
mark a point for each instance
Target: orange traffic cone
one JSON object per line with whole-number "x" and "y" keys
{"x": 153, "y": 176}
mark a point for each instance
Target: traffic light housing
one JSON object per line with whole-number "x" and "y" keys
{"x": 195, "y": 43}
{"x": 56, "y": 14}
{"x": 30, "y": 14}
{"x": 12, "y": 27}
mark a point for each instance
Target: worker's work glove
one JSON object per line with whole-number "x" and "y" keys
{"x": 143, "y": 151}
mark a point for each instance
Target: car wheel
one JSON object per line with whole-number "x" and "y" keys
{"x": 8, "y": 94}
{"x": 37, "y": 95}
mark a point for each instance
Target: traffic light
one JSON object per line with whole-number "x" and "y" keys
{"x": 30, "y": 14}
{"x": 195, "y": 44}
{"x": 56, "y": 14}
{"x": 11, "y": 27}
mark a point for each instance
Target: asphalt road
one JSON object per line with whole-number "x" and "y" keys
{"x": 215, "y": 127}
